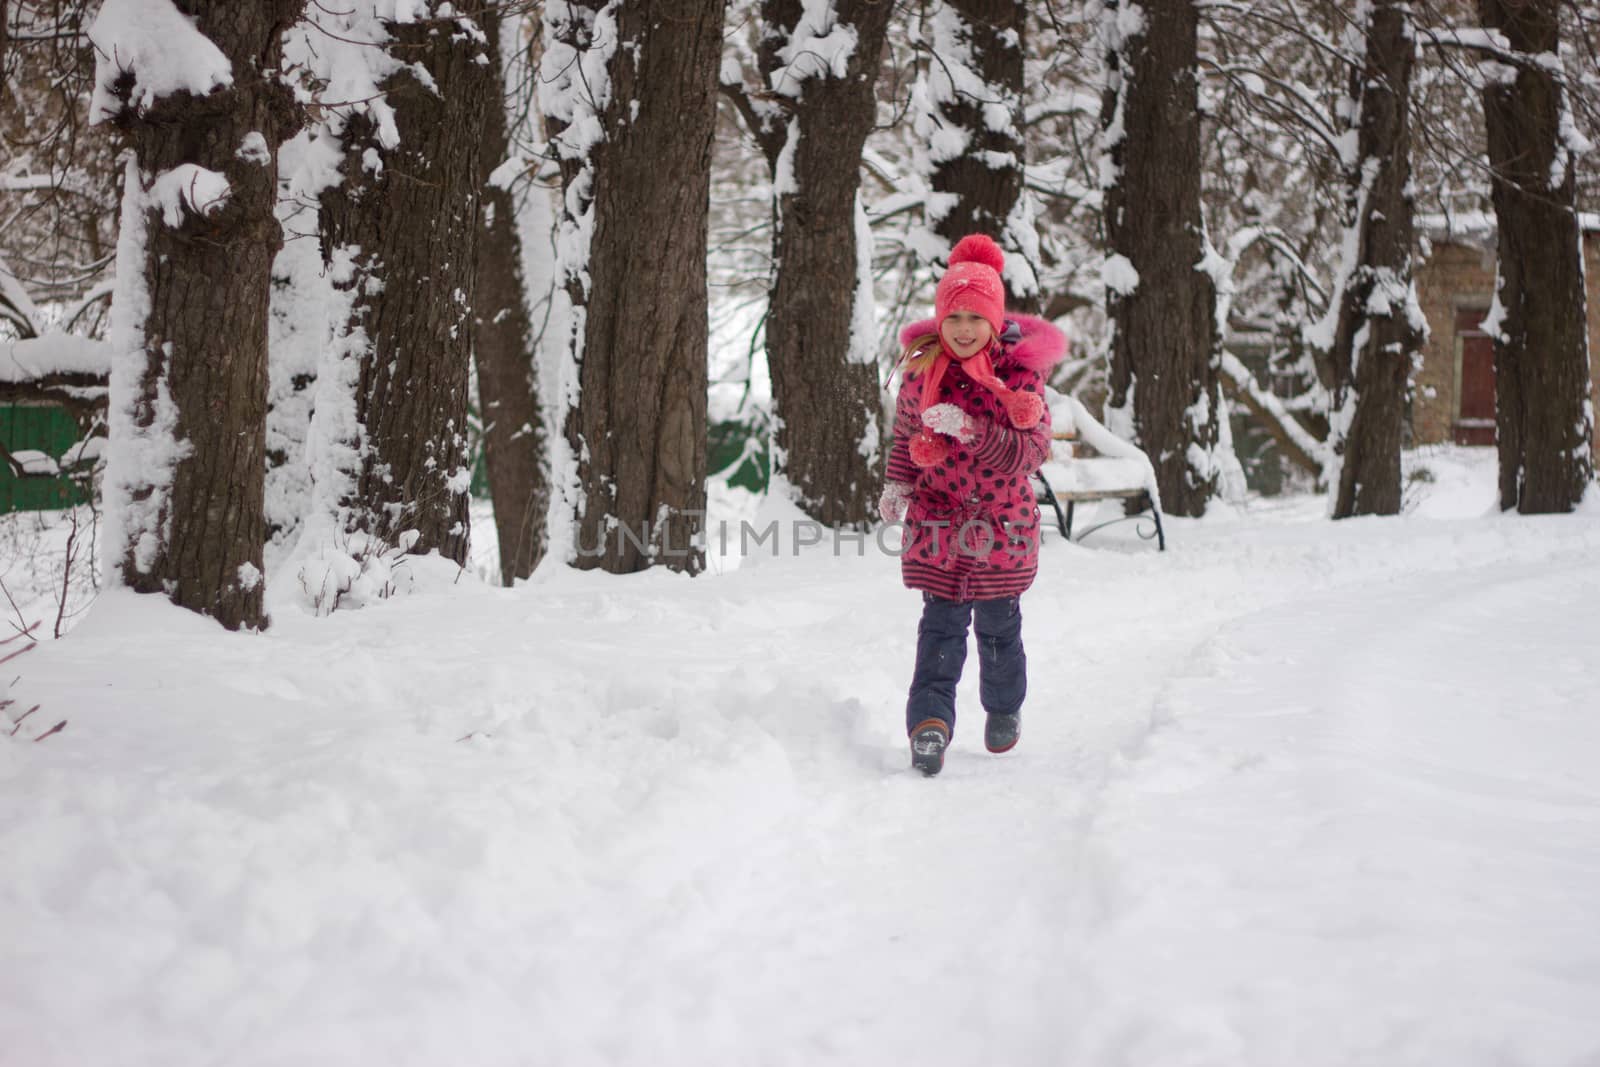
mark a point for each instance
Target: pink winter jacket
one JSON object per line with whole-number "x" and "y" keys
{"x": 972, "y": 527}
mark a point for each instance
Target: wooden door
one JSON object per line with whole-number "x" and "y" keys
{"x": 1474, "y": 424}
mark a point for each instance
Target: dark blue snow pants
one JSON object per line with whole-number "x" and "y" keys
{"x": 942, "y": 652}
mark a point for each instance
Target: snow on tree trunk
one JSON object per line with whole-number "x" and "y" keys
{"x": 629, "y": 92}
{"x": 298, "y": 334}
{"x": 819, "y": 64}
{"x": 966, "y": 110}
{"x": 1544, "y": 417}
{"x": 194, "y": 91}
{"x": 400, "y": 234}
{"x": 513, "y": 433}
{"x": 1161, "y": 296}
{"x": 1380, "y": 328}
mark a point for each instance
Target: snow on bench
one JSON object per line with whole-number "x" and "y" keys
{"x": 1120, "y": 471}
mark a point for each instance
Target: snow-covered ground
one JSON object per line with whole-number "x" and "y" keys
{"x": 1293, "y": 792}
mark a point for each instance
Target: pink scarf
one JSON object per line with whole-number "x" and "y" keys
{"x": 1024, "y": 409}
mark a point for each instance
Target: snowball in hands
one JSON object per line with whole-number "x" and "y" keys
{"x": 949, "y": 419}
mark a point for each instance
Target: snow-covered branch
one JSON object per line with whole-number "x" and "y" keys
{"x": 1298, "y": 443}
{"x": 1300, "y": 104}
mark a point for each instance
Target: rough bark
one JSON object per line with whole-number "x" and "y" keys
{"x": 1542, "y": 383}
{"x": 513, "y": 434}
{"x": 1165, "y": 342}
{"x": 415, "y": 222}
{"x": 826, "y": 402}
{"x": 639, "y": 427}
{"x": 205, "y": 335}
{"x": 987, "y": 194}
{"x": 1378, "y": 372}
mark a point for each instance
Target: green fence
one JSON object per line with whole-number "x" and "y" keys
{"x": 741, "y": 449}
{"x": 51, "y": 430}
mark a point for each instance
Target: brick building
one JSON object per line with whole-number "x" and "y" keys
{"x": 1454, "y": 399}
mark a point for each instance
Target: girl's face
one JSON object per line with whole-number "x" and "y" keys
{"x": 965, "y": 333}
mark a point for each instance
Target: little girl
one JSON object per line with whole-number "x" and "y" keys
{"x": 971, "y": 428}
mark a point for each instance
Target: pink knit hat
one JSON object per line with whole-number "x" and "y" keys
{"x": 973, "y": 282}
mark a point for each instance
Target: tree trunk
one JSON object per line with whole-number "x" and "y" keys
{"x": 1544, "y": 426}
{"x": 637, "y": 433}
{"x": 820, "y": 338}
{"x": 415, "y": 224}
{"x": 1379, "y": 309}
{"x": 189, "y": 425}
{"x": 1163, "y": 354}
{"x": 513, "y": 433}
{"x": 986, "y": 177}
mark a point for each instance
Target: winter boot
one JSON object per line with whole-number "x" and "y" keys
{"x": 928, "y": 741}
{"x": 1001, "y": 732}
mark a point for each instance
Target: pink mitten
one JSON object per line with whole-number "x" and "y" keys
{"x": 893, "y": 502}
{"x": 1024, "y": 409}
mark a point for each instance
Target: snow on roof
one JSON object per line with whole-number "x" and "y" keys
{"x": 1479, "y": 226}
{"x": 57, "y": 353}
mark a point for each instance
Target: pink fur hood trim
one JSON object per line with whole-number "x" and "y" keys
{"x": 1042, "y": 345}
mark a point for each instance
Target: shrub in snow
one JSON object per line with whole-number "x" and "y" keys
{"x": 355, "y": 570}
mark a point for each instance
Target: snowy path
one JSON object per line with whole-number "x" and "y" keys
{"x": 1291, "y": 793}
{"x": 1384, "y": 851}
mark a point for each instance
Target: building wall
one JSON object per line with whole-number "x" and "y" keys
{"x": 1460, "y": 276}
{"x": 1456, "y": 276}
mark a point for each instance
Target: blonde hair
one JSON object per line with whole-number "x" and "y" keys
{"x": 919, "y": 355}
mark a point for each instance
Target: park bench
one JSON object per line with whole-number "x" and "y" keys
{"x": 1117, "y": 471}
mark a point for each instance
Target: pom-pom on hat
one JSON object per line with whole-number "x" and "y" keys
{"x": 973, "y": 282}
